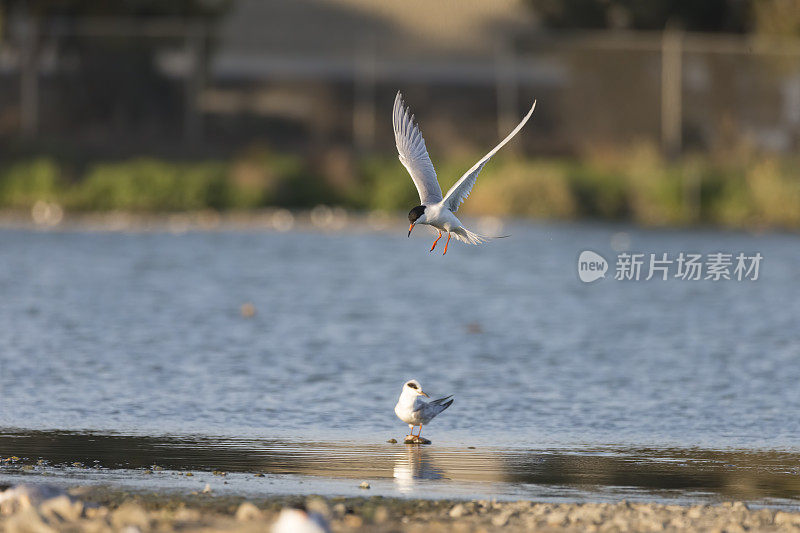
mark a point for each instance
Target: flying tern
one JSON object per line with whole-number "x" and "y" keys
{"x": 433, "y": 209}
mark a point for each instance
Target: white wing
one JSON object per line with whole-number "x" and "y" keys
{"x": 413, "y": 154}
{"x": 459, "y": 192}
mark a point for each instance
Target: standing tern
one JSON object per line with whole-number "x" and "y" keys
{"x": 434, "y": 210}
{"x": 415, "y": 411}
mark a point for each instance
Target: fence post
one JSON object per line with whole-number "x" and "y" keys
{"x": 195, "y": 37}
{"x": 506, "y": 89}
{"x": 671, "y": 85}
{"x": 29, "y": 80}
{"x": 364, "y": 97}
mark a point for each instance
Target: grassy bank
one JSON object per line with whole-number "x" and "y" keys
{"x": 637, "y": 185}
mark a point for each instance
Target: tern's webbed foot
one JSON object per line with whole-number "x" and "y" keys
{"x": 414, "y": 439}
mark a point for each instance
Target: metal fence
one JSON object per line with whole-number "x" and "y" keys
{"x": 120, "y": 86}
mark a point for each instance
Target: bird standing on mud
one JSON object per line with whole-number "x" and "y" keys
{"x": 415, "y": 411}
{"x": 434, "y": 210}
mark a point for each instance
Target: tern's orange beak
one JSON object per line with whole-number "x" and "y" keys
{"x": 410, "y": 227}
{"x": 424, "y": 393}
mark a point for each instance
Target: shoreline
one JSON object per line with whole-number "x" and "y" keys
{"x": 269, "y": 468}
{"x": 103, "y": 508}
{"x": 50, "y": 217}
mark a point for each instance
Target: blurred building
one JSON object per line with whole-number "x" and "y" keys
{"x": 312, "y": 74}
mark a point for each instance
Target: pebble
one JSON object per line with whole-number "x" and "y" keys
{"x": 353, "y": 521}
{"x": 381, "y": 515}
{"x": 502, "y": 519}
{"x": 556, "y": 518}
{"x": 63, "y": 507}
{"x": 458, "y": 511}
{"x": 364, "y": 485}
{"x": 787, "y": 519}
{"x": 247, "y": 512}
{"x": 28, "y": 521}
{"x": 130, "y": 514}
{"x": 21, "y": 497}
{"x": 316, "y": 504}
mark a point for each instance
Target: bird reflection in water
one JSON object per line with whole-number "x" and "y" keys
{"x": 412, "y": 465}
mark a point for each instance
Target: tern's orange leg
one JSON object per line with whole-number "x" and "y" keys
{"x": 437, "y": 240}
{"x": 445, "y": 248}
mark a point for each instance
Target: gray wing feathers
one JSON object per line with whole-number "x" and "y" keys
{"x": 440, "y": 400}
{"x": 459, "y": 192}
{"x": 413, "y": 153}
{"x": 431, "y": 409}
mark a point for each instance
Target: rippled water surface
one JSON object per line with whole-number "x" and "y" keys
{"x": 121, "y": 350}
{"x": 141, "y": 334}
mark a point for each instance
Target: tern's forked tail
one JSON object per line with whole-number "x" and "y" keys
{"x": 469, "y": 237}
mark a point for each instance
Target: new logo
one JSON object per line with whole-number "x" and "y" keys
{"x": 591, "y": 266}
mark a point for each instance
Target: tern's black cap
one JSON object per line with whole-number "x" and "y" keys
{"x": 415, "y": 213}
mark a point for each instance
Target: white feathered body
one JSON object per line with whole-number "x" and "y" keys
{"x": 415, "y": 411}
{"x": 442, "y": 218}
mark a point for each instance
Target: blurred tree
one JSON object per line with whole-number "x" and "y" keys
{"x": 109, "y": 84}
{"x": 691, "y": 15}
{"x": 43, "y": 9}
{"x": 777, "y": 17}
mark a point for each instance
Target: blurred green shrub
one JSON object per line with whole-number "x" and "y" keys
{"x": 260, "y": 177}
{"x": 740, "y": 189}
{"x": 526, "y": 188}
{"x": 386, "y": 186}
{"x": 150, "y": 185}
{"x": 23, "y": 184}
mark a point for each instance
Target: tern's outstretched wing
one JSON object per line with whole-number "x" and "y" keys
{"x": 459, "y": 192}
{"x": 413, "y": 154}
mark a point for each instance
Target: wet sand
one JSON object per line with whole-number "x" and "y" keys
{"x": 99, "y": 509}
{"x": 257, "y": 467}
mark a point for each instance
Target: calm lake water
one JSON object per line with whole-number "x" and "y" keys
{"x": 141, "y": 334}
